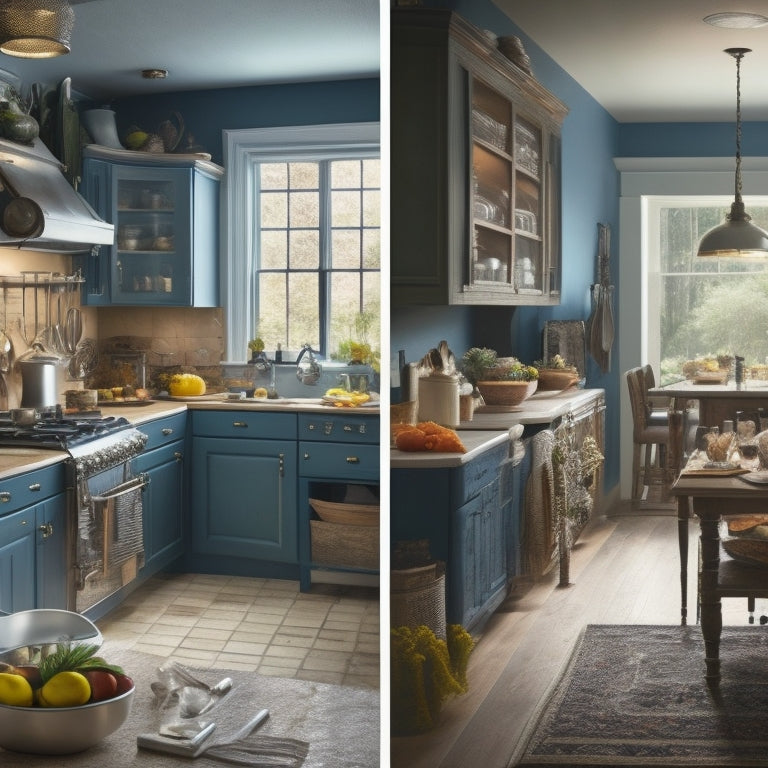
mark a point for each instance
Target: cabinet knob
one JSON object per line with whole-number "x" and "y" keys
{"x": 167, "y": 431}
{"x": 306, "y": 455}
{"x": 4, "y": 497}
{"x": 353, "y": 460}
{"x": 34, "y": 487}
{"x": 178, "y": 455}
{"x": 46, "y": 529}
{"x": 240, "y": 424}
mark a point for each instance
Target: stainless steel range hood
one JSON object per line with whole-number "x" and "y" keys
{"x": 69, "y": 224}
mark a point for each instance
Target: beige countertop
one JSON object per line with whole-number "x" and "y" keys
{"x": 475, "y": 441}
{"x": 489, "y": 426}
{"x": 14, "y": 461}
{"x": 540, "y": 408}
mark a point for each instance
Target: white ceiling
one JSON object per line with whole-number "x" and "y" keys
{"x": 655, "y": 60}
{"x": 210, "y": 44}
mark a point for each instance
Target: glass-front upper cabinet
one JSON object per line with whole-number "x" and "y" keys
{"x": 165, "y": 212}
{"x": 475, "y": 169}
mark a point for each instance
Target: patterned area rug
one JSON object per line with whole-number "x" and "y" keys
{"x": 636, "y": 696}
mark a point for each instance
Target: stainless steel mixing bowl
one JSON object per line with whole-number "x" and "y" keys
{"x": 61, "y": 730}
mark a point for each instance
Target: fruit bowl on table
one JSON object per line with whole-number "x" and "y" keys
{"x": 508, "y": 393}
{"x": 27, "y": 726}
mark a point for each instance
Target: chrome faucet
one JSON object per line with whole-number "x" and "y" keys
{"x": 307, "y": 372}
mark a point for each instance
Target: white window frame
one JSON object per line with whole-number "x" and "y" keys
{"x": 642, "y": 179}
{"x": 243, "y": 149}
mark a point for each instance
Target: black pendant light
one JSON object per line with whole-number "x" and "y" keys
{"x": 737, "y": 238}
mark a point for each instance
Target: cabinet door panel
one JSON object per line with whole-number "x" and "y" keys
{"x": 244, "y": 498}
{"x": 51, "y": 551}
{"x": 162, "y": 502}
{"x": 17, "y": 562}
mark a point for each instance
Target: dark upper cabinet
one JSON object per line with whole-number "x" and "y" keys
{"x": 475, "y": 169}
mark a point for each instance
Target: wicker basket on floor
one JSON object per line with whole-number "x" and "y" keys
{"x": 417, "y": 598}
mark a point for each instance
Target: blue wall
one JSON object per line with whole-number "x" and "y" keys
{"x": 207, "y": 113}
{"x": 691, "y": 139}
{"x": 590, "y": 195}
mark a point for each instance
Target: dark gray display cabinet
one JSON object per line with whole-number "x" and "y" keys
{"x": 165, "y": 209}
{"x": 339, "y": 459}
{"x": 470, "y": 515}
{"x": 475, "y": 169}
{"x": 33, "y": 540}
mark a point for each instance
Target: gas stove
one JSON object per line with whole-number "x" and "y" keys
{"x": 93, "y": 442}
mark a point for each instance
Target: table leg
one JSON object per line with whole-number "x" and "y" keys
{"x": 682, "y": 542}
{"x": 711, "y": 616}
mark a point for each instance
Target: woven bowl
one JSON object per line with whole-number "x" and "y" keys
{"x": 344, "y": 513}
{"x": 551, "y": 379}
{"x": 506, "y": 392}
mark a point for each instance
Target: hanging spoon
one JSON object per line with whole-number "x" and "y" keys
{"x": 6, "y": 347}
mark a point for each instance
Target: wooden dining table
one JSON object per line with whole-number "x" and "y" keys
{"x": 716, "y": 404}
{"x": 711, "y": 499}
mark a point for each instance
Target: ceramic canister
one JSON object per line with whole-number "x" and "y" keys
{"x": 439, "y": 399}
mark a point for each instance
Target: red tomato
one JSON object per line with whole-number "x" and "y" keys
{"x": 124, "y": 684}
{"x": 103, "y": 684}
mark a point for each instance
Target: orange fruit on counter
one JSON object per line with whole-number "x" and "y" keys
{"x": 15, "y": 690}
{"x": 65, "y": 689}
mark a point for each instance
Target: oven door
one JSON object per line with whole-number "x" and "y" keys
{"x": 108, "y": 540}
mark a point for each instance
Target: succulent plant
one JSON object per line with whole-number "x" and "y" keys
{"x": 476, "y": 362}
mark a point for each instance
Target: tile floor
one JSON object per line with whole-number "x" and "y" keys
{"x": 328, "y": 635}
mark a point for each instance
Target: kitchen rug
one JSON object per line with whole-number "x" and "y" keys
{"x": 636, "y": 696}
{"x": 340, "y": 723}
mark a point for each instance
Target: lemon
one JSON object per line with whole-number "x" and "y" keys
{"x": 186, "y": 385}
{"x": 65, "y": 689}
{"x": 15, "y": 690}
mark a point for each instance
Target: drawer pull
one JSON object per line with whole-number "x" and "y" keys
{"x": 353, "y": 460}
{"x": 4, "y": 496}
{"x": 178, "y": 455}
{"x": 34, "y": 487}
{"x": 243, "y": 424}
{"x": 46, "y": 529}
{"x": 306, "y": 455}
{"x": 167, "y": 431}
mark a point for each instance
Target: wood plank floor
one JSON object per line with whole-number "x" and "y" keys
{"x": 624, "y": 570}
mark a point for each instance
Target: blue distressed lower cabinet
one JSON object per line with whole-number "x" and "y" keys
{"x": 470, "y": 516}
{"x": 33, "y": 540}
{"x": 243, "y": 493}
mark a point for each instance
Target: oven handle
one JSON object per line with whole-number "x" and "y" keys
{"x": 120, "y": 490}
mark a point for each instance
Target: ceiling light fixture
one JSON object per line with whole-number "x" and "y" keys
{"x": 737, "y": 237}
{"x": 35, "y": 29}
{"x": 736, "y": 20}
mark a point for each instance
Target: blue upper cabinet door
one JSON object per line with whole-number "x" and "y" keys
{"x": 151, "y": 262}
{"x": 165, "y": 209}
{"x": 96, "y": 188}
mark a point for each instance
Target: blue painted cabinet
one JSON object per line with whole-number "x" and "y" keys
{"x": 163, "y": 499}
{"x": 165, "y": 210}
{"x": 470, "y": 516}
{"x": 33, "y": 540}
{"x": 338, "y": 455}
{"x": 243, "y": 491}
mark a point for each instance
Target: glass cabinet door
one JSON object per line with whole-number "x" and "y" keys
{"x": 507, "y": 196}
{"x": 150, "y": 263}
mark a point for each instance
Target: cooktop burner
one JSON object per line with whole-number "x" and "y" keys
{"x": 58, "y": 432}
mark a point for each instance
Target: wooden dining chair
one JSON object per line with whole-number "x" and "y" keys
{"x": 650, "y": 438}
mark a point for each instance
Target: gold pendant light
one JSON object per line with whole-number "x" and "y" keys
{"x": 737, "y": 238}
{"x": 35, "y": 29}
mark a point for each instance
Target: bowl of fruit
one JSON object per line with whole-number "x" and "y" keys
{"x": 57, "y": 695}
